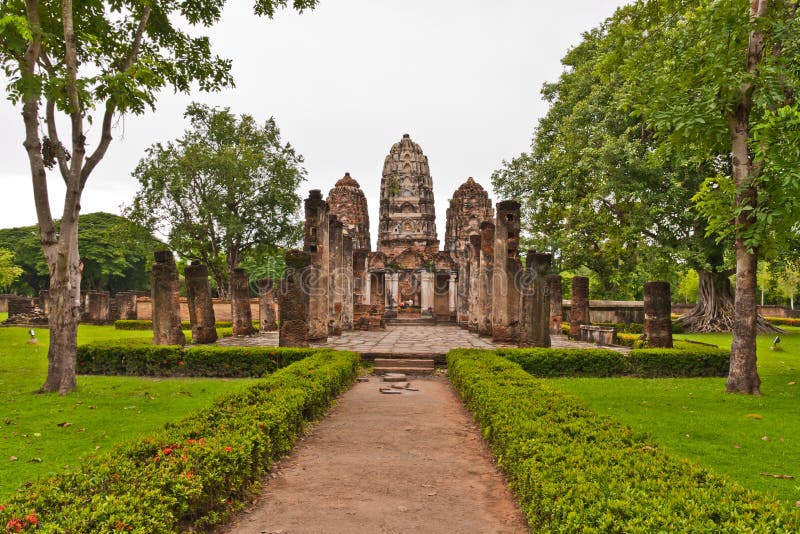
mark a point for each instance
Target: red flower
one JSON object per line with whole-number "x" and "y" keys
{"x": 188, "y": 474}
{"x": 180, "y": 362}
{"x": 32, "y": 519}
{"x": 228, "y": 449}
{"x": 166, "y": 451}
{"x": 14, "y": 525}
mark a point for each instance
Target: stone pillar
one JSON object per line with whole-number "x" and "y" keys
{"x": 507, "y": 270}
{"x": 316, "y": 245}
{"x": 462, "y": 289}
{"x": 294, "y": 300}
{"x": 44, "y": 301}
{"x": 535, "y": 331}
{"x": 486, "y": 279}
{"x": 392, "y": 287}
{"x": 266, "y": 305}
{"x": 198, "y": 298}
{"x": 360, "y": 277}
{"x": 240, "y": 304}
{"x": 474, "y": 271}
{"x": 348, "y": 286}
{"x": 453, "y": 293}
{"x": 426, "y": 292}
{"x": 556, "y": 311}
{"x": 579, "y": 309}
{"x": 165, "y": 298}
{"x": 97, "y": 307}
{"x": 367, "y": 288}
{"x": 335, "y": 278}
{"x": 126, "y": 305}
{"x": 657, "y": 315}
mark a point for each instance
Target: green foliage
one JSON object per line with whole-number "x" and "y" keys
{"x": 593, "y": 193}
{"x": 225, "y": 187}
{"x": 9, "y": 271}
{"x": 687, "y": 290}
{"x": 547, "y": 363}
{"x": 139, "y": 357}
{"x": 116, "y": 254}
{"x": 575, "y": 471}
{"x": 142, "y": 324}
{"x": 684, "y": 80}
{"x": 687, "y": 360}
{"x": 196, "y": 471}
{"x": 696, "y": 419}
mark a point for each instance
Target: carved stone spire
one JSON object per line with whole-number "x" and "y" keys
{"x": 469, "y": 207}
{"x": 348, "y": 203}
{"x": 407, "y": 215}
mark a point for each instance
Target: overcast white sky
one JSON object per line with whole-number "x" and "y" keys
{"x": 345, "y": 82}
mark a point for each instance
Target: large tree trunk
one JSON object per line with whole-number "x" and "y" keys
{"x": 715, "y": 307}
{"x": 64, "y": 316}
{"x": 743, "y": 375}
{"x": 714, "y": 310}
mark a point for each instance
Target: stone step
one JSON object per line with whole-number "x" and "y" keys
{"x": 439, "y": 358}
{"x": 404, "y": 370}
{"x": 420, "y": 321}
{"x": 403, "y": 362}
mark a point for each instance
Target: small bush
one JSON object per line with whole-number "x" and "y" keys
{"x": 139, "y": 357}
{"x": 628, "y": 328}
{"x": 568, "y": 362}
{"x": 575, "y": 471}
{"x": 195, "y": 472}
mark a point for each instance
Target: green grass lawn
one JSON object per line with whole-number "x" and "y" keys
{"x": 48, "y": 433}
{"x": 738, "y": 435}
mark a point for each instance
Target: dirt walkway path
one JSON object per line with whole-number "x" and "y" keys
{"x": 413, "y": 462}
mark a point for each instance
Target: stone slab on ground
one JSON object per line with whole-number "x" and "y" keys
{"x": 409, "y": 341}
{"x": 413, "y": 462}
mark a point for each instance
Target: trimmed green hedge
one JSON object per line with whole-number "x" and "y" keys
{"x": 686, "y": 361}
{"x": 139, "y": 357}
{"x": 141, "y": 324}
{"x": 575, "y": 471}
{"x": 568, "y": 362}
{"x": 196, "y": 471}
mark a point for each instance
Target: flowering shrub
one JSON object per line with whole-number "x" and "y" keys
{"x": 194, "y": 472}
{"x": 575, "y": 471}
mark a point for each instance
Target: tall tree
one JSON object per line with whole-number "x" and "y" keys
{"x": 98, "y": 59}
{"x": 722, "y": 76}
{"x": 227, "y": 185}
{"x": 596, "y": 194}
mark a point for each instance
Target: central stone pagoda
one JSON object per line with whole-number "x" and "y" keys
{"x": 407, "y": 215}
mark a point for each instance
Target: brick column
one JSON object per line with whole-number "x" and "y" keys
{"x": 535, "y": 331}
{"x": 293, "y": 300}
{"x": 165, "y": 300}
{"x": 657, "y": 314}
{"x": 507, "y": 267}
{"x": 579, "y": 310}
{"x": 240, "y": 304}
{"x": 335, "y": 279}
{"x": 266, "y": 305}
{"x": 317, "y": 246}
{"x": 462, "y": 289}
{"x": 556, "y": 310}
{"x": 348, "y": 283}
{"x": 474, "y": 271}
{"x": 486, "y": 279}
{"x": 198, "y": 299}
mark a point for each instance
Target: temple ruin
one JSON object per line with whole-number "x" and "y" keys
{"x": 473, "y": 281}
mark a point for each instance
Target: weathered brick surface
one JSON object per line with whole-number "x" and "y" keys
{"x": 164, "y": 294}
{"x": 201, "y": 310}
{"x": 657, "y": 314}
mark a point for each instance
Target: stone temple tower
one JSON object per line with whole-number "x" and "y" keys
{"x": 348, "y": 203}
{"x": 469, "y": 207}
{"x": 407, "y": 216}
